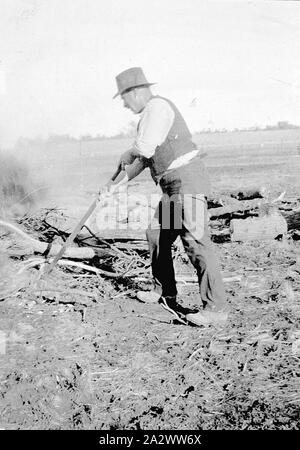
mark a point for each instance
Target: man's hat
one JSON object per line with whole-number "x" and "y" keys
{"x": 129, "y": 79}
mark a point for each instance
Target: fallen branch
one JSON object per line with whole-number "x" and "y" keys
{"x": 66, "y": 263}
{"x": 41, "y": 247}
{"x": 113, "y": 247}
{"x": 8, "y": 294}
{"x": 242, "y": 206}
{"x": 193, "y": 279}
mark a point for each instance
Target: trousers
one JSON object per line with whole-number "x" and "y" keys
{"x": 183, "y": 213}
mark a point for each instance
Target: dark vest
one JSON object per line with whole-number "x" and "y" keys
{"x": 189, "y": 179}
{"x": 177, "y": 143}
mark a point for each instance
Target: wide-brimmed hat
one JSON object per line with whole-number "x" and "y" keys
{"x": 129, "y": 79}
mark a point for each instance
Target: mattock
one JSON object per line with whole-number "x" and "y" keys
{"x": 77, "y": 228}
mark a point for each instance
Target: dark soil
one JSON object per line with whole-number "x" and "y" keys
{"x": 111, "y": 362}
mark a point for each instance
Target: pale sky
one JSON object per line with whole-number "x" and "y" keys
{"x": 225, "y": 64}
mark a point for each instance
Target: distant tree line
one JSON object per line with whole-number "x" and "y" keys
{"x": 130, "y": 131}
{"x": 281, "y": 125}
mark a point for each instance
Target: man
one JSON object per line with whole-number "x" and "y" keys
{"x": 163, "y": 143}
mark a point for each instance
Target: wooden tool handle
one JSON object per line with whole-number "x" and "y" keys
{"x": 72, "y": 236}
{"x": 117, "y": 172}
{"x": 78, "y": 228}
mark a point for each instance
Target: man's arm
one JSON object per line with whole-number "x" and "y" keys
{"x": 154, "y": 126}
{"x": 128, "y": 157}
{"x": 136, "y": 168}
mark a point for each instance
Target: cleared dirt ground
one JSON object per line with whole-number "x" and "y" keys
{"x": 87, "y": 354}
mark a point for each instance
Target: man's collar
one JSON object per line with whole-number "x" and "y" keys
{"x": 150, "y": 98}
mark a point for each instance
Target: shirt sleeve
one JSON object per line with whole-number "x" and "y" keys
{"x": 136, "y": 168}
{"x": 155, "y": 124}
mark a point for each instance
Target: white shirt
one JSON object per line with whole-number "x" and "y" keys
{"x": 155, "y": 123}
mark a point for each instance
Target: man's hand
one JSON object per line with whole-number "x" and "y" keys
{"x": 113, "y": 184}
{"x": 127, "y": 158}
{"x": 106, "y": 189}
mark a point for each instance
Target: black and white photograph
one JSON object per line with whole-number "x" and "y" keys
{"x": 150, "y": 219}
